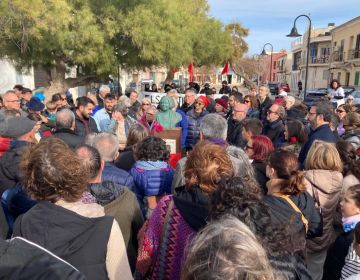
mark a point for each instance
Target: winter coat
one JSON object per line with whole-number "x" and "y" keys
{"x": 234, "y": 136}
{"x": 84, "y": 127}
{"x": 283, "y": 213}
{"x": 329, "y": 185}
{"x": 260, "y": 174}
{"x": 184, "y": 127}
{"x": 194, "y": 127}
{"x": 117, "y": 175}
{"x": 151, "y": 182}
{"x": 69, "y": 137}
{"x": 264, "y": 107}
{"x": 9, "y": 165}
{"x": 21, "y": 259}
{"x": 186, "y": 108}
{"x": 275, "y": 132}
{"x": 79, "y": 240}
{"x": 126, "y": 159}
{"x": 171, "y": 227}
{"x": 335, "y": 258}
{"x": 120, "y": 203}
{"x": 294, "y": 148}
{"x": 323, "y": 133}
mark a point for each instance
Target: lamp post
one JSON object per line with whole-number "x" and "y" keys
{"x": 294, "y": 33}
{"x": 264, "y": 53}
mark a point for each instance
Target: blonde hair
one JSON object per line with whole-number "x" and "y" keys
{"x": 323, "y": 155}
{"x": 226, "y": 249}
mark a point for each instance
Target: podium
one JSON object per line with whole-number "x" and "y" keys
{"x": 172, "y": 138}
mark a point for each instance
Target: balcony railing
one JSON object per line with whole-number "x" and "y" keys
{"x": 338, "y": 56}
{"x": 354, "y": 54}
{"x": 320, "y": 59}
{"x": 296, "y": 67}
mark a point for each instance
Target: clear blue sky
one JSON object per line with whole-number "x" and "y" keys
{"x": 271, "y": 20}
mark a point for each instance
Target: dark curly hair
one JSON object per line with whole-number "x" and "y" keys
{"x": 242, "y": 200}
{"x": 153, "y": 149}
{"x": 51, "y": 170}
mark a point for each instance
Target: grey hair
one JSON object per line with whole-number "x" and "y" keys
{"x": 123, "y": 106}
{"x": 291, "y": 99}
{"x": 241, "y": 163}
{"x": 214, "y": 126}
{"x": 192, "y": 90}
{"x": 65, "y": 118}
{"x": 104, "y": 87}
{"x": 281, "y": 111}
{"x": 226, "y": 249}
{"x": 106, "y": 143}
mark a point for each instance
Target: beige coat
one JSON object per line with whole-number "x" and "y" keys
{"x": 329, "y": 185}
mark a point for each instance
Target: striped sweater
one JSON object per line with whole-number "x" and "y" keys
{"x": 352, "y": 264}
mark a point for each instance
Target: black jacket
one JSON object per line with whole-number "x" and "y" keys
{"x": 335, "y": 258}
{"x": 264, "y": 107}
{"x": 79, "y": 240}
{"x": 282, "y": 212}
{"x": 234, "y": 136}
{"x": 194, "y": 127}
{"x": 9, "y": 165}
{"x": 186, "y": 108}
{"x": 260, "y": 174}
{"x": 23, "y": 260}
{"x": 69, "y": 137}
{"x": 125, "y": 160}
{"x": 275, "y": 131}
{"x": 84, "y": 127}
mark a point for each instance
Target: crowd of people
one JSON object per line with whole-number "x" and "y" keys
{"x": 265, "y": 188}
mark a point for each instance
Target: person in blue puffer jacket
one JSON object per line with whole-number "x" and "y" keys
{"x": 194, "y": 118}
{"x": 151, "y": 173}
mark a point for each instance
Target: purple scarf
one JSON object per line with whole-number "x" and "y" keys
{"x": 218, "y": 141}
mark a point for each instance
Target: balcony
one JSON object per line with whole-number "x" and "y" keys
{"x": 320, "y": 59}
{"x": 354, "y": 54}
{"x": 338, "y": 56}
{"x": 296, "y": 67}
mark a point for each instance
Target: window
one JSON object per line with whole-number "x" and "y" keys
{"x": 357, "y": 78}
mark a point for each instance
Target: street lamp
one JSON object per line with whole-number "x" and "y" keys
{"x": 264, "y": 53}
{"x": 294, "y": 33}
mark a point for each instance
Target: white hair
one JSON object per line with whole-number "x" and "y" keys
{"x": 103, "y": 88}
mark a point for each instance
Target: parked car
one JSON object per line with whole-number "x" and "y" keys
{"x": 284, "y": 87}
{"x": 274, "y": 88}
{"x": 315, "y": 95}
{"x": 348, "y": 90}
{"x": 356, "y": 95}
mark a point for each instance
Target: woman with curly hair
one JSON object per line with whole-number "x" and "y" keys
{"x": 241, "y": 199}
{"x": 79, "y": 233}
{"x": 151, "y": 173}
{"x": 177, "y": 219}
{"x": 287, "y": 197}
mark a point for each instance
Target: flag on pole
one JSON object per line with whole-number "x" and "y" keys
{"x": 225, "y": 71}
{"x": 191, "y": 72}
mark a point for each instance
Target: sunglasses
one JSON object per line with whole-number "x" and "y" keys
{"x": 247, "y": 101}
{"x": 199, "y": 103}
{"x": 247, "y": 147}
{"x": 340, "y": 111}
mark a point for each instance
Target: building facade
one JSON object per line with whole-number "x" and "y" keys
{"x": 345, "y": 59}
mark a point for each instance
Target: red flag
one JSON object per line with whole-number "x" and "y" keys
{"x": 191, "y": 72}
{"x": 225, "y": 71}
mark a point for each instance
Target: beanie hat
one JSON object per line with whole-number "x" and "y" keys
{"x": 35, "y": 104}
{"x": 222, "y": 102}
{"x": 204, "y": 100}
{"x": 18, "y": 126}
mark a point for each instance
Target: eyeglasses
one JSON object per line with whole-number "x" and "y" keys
{"x": 247, "y": 101}
{"x": 340, "y": 111}
{"x": 199, "y": 103}
{"x": 247, "y": 147}
{"x": 272, "y": 112}
{"x": 311, "y": 113}
{"x": 14, "y": 101}
{"x": 146, "y": 104}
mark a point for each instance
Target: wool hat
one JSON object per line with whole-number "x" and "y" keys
{"x": 18, "y": 126}
{"x": 35, "y": 104}
{"x": 222, "y": 102}
{"x": 204, "y": 100}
